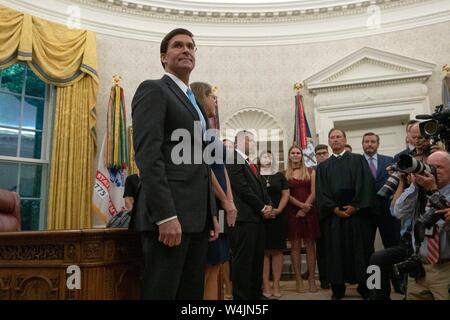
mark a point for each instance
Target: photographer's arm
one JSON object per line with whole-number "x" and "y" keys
{"x": 400, "y": 189}
{"x": 405, "y": 205}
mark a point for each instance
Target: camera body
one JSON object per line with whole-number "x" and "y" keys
{"x": 437, "y": 126}
{"x": 413, "y": 264}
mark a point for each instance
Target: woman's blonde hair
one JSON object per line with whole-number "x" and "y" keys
{"x": 304, "y": 173}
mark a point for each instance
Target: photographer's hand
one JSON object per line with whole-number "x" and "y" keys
{"x": 446, "y": 214}
{"x": 425, "y": 180}
{"x": 436, "y": 147}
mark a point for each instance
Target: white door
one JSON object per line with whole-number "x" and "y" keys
{"x": 391, "y": 131}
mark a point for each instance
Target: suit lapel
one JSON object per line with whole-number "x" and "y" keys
{"x": 181, "y": 96}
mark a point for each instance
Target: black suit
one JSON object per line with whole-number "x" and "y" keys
{"x": 247, "y": 238}
{"x": 170, "y": 189}
{"x": 388, "y": 226}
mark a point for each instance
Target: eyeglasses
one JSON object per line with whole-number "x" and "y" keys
{"x": 180, "y": 45}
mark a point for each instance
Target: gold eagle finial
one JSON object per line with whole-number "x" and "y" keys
{"x": 116, "y": 79}
{"x": 297, "y": 87}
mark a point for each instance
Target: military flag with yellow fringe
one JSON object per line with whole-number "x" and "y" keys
{"x": 112, "y": 161}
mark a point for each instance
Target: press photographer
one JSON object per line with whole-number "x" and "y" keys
{"x": 434, "y": 251}
{"x": 396, "y": 185}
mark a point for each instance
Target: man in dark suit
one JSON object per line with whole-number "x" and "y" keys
{"x": 388, "y": 226}
{"x": 175, "y": 209}
{"x": 253, "y": 205}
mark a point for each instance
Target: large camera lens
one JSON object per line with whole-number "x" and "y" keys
{"x": 390, "y": 186}
{"x": 409, "y": 164}
{"x": 429, "y": 128}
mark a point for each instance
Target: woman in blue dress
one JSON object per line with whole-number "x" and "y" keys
{"x": 218, "y": 250}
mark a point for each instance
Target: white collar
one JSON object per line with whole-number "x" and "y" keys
{"x": 242, "y": 154}
{"x": 375, "y": 156}
{"x": 179, "y": 83}
{"x": 340, "y": 154}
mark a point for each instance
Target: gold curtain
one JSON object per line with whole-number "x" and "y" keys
{"x": 66, "y": 58}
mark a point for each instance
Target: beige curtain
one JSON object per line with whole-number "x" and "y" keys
{"x": 66, "y": 58}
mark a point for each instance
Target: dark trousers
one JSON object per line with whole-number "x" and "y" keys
{"x": 247, "y": 249}
{"x": 385, "y": 259}
{"x": 174, "y": 272}
{"x": 389, "y": 228}
{"x": 321, "y": 257}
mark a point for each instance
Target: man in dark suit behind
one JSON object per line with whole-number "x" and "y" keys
{"x": 253, "y": 205}
{"x": 388, "y": 226}
{"x": 174, "y": 209}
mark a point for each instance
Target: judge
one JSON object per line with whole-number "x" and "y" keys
{"x": 344, "y": 192}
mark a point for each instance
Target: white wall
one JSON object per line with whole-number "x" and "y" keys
{"x": 262, "y": 77}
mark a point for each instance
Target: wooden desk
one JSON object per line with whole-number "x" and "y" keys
{"x": 33, "y": 264}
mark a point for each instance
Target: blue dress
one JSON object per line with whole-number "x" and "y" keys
{"x": 219, "y": 250}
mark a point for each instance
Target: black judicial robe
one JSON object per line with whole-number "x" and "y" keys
{"x": 348, "y": 241}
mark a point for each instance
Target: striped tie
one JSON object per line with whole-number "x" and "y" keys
{"x": 433, "y": 247}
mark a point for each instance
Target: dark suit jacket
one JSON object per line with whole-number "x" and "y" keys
{"x": 250, "y": 196}
{"x": 168, "y": 189}
{"x": 382, "y": 204}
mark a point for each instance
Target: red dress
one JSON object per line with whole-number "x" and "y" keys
{"x": 303, "y": 227}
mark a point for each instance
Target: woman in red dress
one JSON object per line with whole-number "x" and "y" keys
{"x": 303, "y": 222}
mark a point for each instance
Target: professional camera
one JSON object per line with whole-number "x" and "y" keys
{"x": 406, "y": 164}
{"x": 427, "y": 220}
{"x": 437, "y": 128}
{"x": 391, "y": 184}
{"x": 409, "y": 164}
{"x": 413, "y": 264}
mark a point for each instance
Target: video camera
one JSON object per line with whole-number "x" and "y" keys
{"x": 413, "y": 264}
{"x": 406, "y": 164}
{"x": 437, "y": 128}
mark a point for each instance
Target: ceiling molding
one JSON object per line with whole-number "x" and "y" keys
{"x": 300, "y": 21}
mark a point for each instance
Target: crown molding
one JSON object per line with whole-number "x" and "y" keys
{"x": 262, "y": 26}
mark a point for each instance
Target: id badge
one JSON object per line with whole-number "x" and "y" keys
{"x": 429, "y": 232}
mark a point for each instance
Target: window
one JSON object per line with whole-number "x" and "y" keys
{"x": 24, "y": 141}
